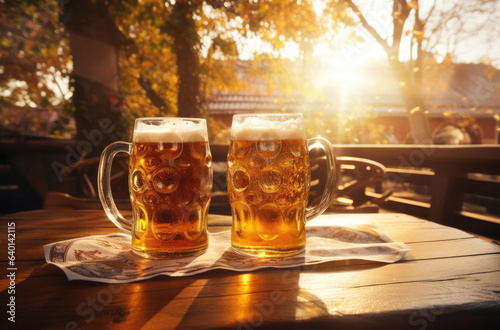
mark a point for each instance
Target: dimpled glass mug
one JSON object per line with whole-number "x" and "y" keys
{"x": 170, "y": 183}
{"x": 268, "y": 178}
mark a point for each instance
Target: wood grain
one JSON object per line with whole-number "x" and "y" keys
{"x": 449, "y": 279}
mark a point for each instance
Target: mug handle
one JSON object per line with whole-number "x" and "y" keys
{"x": 331, "y": 176}
{"x": 104, "y": 185}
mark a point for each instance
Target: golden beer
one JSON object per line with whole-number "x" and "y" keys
{"x": 170, "y": 183}
{"x": 268, "y": 187}
{"x": 170, "y": 197}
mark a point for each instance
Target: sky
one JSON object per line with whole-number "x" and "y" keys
{"x": 343, "y": 60}
{"x": 477, "y": 40}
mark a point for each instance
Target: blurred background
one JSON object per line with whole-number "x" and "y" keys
{"x": 74, "y": 74}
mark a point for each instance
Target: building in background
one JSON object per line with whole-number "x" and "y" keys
{"x": 459, "y": 94}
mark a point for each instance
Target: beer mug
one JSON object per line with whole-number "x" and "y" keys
{"x": 170, "y": 183}
{"x": 268, "y": 178}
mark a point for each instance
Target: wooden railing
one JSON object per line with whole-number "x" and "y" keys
{"x": 457, "y": 177}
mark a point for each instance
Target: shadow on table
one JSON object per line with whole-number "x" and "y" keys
{"x": 251, "y": 299}
{"x": 245, "y": 300}
{"x": 47, "y": 299}
{"x": 262, "y": 297}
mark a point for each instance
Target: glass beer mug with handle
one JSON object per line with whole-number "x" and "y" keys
{"x": 268, "y": 178}
{"x": 170, "y": 183}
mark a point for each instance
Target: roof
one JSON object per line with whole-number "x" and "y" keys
{"x": 471, "y": 88}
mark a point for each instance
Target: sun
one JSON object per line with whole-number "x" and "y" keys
{"x": 344, "y": 67}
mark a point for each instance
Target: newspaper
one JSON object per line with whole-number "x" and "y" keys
{"x": 109, "y": 259}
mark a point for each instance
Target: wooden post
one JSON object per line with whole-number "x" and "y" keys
{"x": 447, "y": 194}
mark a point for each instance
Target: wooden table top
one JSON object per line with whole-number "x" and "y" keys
{"x": 449, "y": 279}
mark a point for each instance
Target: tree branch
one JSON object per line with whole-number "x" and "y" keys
{"x": 367, "y": 26}
{"x": 430, "y": 13}
{"x": 151, "y": 94}
{"x": 221, "y": 4}
{"x": 132, "y": 48}
{"x": 400, "y": 12}
{"x": 418, "y": 36}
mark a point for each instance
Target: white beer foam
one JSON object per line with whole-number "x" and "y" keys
{"x": 254, "y": 128}
{"x": 171, "y": 131}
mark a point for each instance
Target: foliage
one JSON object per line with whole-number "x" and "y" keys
{"x": 34, "y": 64}
{"x": 147, "y": 63}
{"x": 343, "y": 128}
{"x": 217, "y": 37}
{"x": 218, "y": 34}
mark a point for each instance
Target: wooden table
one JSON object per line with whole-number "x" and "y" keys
{"x": 449, "y": 279}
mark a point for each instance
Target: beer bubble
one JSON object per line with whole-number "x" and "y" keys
{"x": 283, "y": 198}
{"x": 297, "y": 149}
{"x": 295, "y": 220}
{"x": 206, "y": 197}
{"x": 182, "y": 196}
{"x": 231, "y": 196}
{"x": 202, "y": 176}
{"x": 242, "y": 215}
{"x": 137, "y": 180}
{"x": 151, "y": 162}
{"x": 254, "y": 199}
{"x": 166, "y": 180}
{"x": 141, "y": 149}
{"x": 151, "y": 198}
{"x": 268, "y": 221}
{"x": 183, "y": 165}
{"x": 241, "y": 148}
{"x": 256, "y": 163}
{"x": 140, "y": 216}
{"x": 165, "y": 222}
{"x": 170, "y": 146}
{"x": 289, "y": 163}
{"x": 197, "y": 146}
{"x": 240, "y": 180}
{"x": 269, "y": 181}
{"x": 208, "y": 161}
{"x": 193, "y": 222}
{"x": 268, "y": 145}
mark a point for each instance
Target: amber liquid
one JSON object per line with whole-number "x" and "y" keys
{"x": 170, "y": 186}
{"x": 268, "y": 186}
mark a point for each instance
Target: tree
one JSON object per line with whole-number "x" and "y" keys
{"x": 446, "y": 22}
{"x": 166, "y": 58}
{"x": 406, "y": 73}
{"x": 95, "y": 42}
{"x": 34, "y": 59}
{"x": 162, "y": 58}
{"x": 206, "y": 40}
{"x": 148, "y": 78}
{"x": 182, "y": 28}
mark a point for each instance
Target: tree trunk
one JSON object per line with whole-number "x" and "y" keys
{"x": 94, "y": 42}
{"x": 411, "y": 91}
{"x": 183, "y": 30}
{"x": 419, "y": 123}
{"x": 417, "y": 117}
